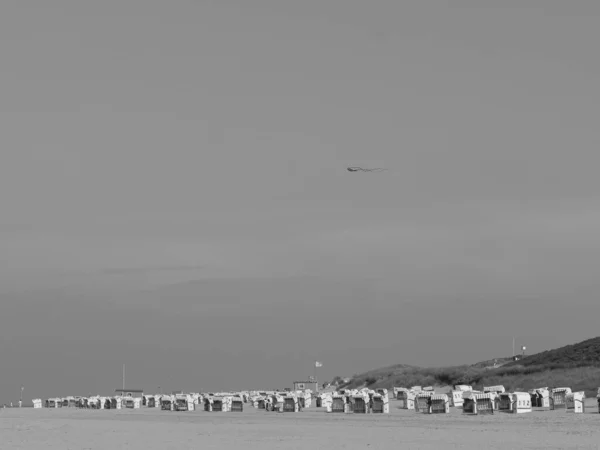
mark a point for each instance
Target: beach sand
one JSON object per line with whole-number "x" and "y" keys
{"x": 312, "y": 428}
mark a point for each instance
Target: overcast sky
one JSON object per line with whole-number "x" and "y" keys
{"x": 173, "y": 192}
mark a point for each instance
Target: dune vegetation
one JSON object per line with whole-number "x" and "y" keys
{"x": 576, "y": 366}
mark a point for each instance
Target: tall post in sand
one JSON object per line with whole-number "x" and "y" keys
{"x": 123, "y": 393}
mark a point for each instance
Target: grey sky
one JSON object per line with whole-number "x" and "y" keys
{"x": 173, "y": 189}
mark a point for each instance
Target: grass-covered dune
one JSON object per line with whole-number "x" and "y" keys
{"x": 576, "y": 366}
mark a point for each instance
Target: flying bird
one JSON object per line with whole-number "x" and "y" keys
{"x": 360, "y": 169}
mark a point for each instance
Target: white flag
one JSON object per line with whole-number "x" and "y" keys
{"x": 318, "y": 364}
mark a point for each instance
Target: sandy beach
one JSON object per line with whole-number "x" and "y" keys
{"x": 312, "y": 428}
